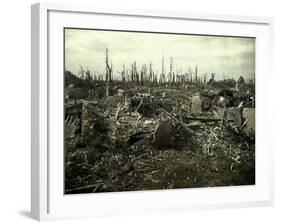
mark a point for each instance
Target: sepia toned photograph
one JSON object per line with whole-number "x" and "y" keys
{"x": 157, "y": 111}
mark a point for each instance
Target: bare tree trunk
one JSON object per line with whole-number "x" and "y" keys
{"x": 108, "y": 68}
{"x": 171, "y": 74}
{"x": 107, "y": 89}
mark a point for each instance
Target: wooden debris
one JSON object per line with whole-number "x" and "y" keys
{"x": 138, "y": 107}
{"x": 249, "y": 115}
{"x": 148, "y": 135}
{"x": 117, "y": 111}
{"x": 85, "y": 189}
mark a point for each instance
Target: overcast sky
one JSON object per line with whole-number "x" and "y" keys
{"x": 225, "y": 56}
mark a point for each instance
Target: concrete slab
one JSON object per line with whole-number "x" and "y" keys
{"x": 249, "y": 114}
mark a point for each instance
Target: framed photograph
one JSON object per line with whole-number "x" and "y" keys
{"x": 137, "y": 111}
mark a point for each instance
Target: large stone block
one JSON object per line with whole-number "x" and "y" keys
{"x": 196, "y": 104}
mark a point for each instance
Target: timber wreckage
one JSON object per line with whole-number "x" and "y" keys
{"x": 144, "y": 133}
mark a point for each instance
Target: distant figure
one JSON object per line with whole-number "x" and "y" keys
{"x": 226, "y": 98}
{"x": 212, "y": 79}
{"x": 240, "y": 84}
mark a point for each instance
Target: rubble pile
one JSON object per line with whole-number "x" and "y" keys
{"x": 146, "y": 141}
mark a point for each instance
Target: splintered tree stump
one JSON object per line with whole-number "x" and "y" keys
{"x": 163, "y": 135}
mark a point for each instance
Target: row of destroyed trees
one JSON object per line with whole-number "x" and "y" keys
{"x": 146, "y": 75}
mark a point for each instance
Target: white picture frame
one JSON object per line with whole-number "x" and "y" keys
{"x": 47, "y": 199}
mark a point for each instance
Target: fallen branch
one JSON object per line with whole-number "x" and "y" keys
{"x": 207, "y": 119}
{"x": 150, "y": 178}
{"x": 138, "y": 107}
{"x": 82, "y": 189}
{"x": 117, "y": 112}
